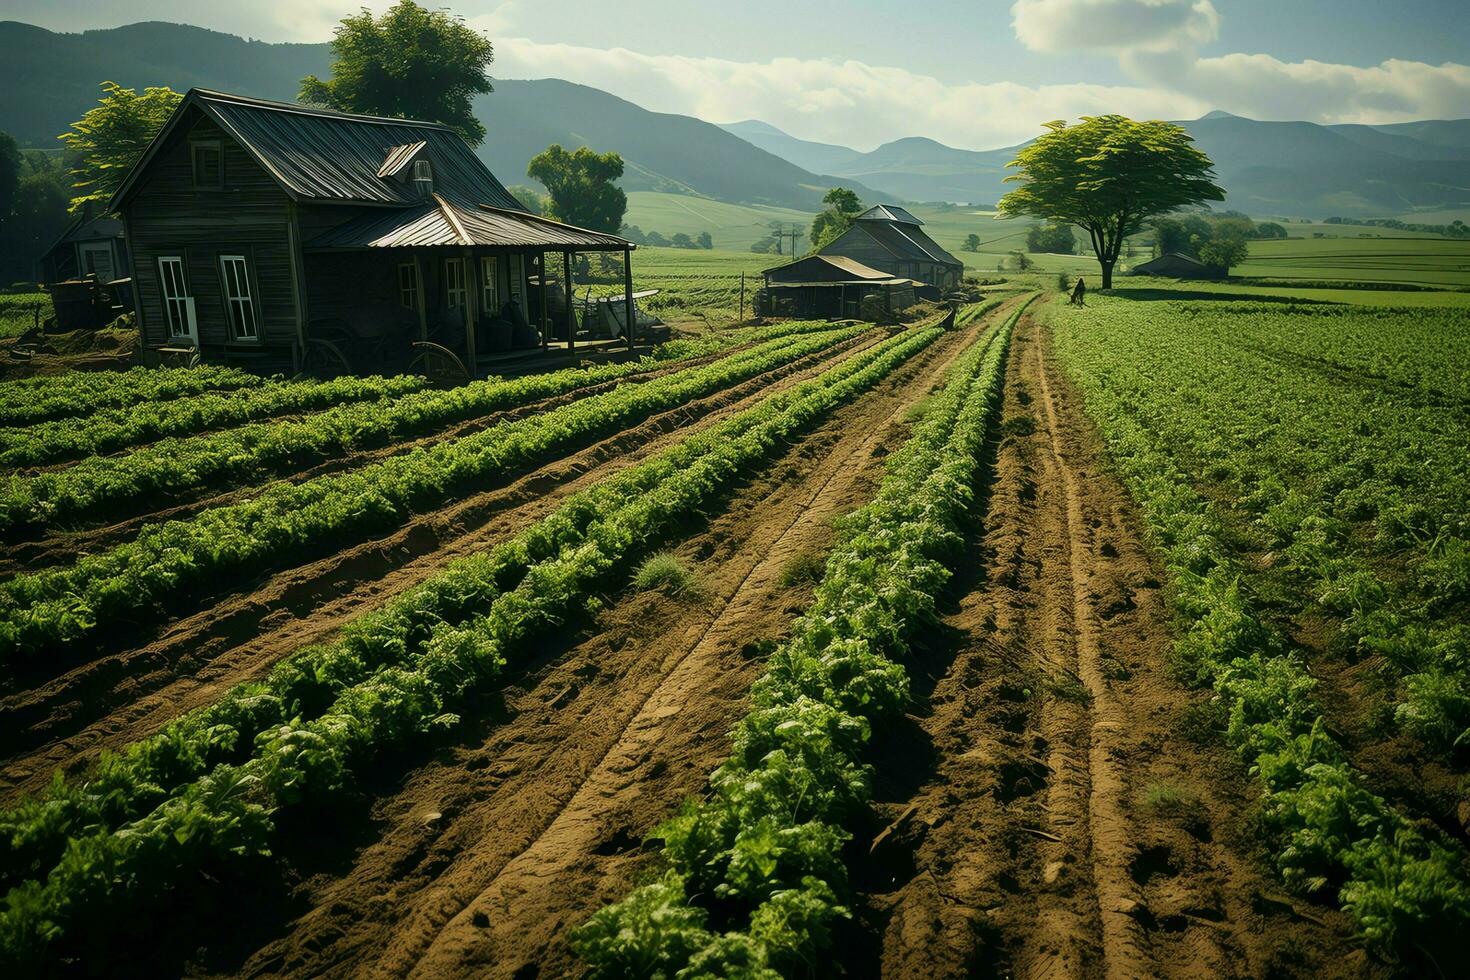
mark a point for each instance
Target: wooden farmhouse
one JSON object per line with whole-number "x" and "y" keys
{"x": 276, "y": 236}
{"x": 890, "y": 239}
{"x": 832, "y": 286}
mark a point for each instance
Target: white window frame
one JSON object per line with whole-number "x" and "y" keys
{"x": 456, "y": 286}
{"x": 490, "y": 284}
{"x": 408, "y": 286}
{"x": 175, "y": 300}
{"x": 239, "y": 298}
{"x": 219, "y": 151}
{"x": 95, "y": 248}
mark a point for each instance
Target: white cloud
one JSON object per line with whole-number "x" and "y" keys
{"x": 846, "y": 102}
{"x": 1264, "y": 87}
{"x": 1114, "y": 25}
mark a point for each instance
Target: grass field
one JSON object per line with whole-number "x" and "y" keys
{"x": 19, "y": 312}
{"x": 1418, "y": 260}
{"x": 734, "y": 227}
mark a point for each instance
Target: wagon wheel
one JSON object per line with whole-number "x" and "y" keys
{"x": 324, "y": 359}
{"x": 438, "y": 363}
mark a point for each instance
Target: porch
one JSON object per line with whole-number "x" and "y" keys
{"x": 460, "y": 292}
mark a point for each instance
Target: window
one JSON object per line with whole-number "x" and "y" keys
{"x": 489, "y": 284}
{"x": 178, "y": 305}
{"x": 408, "y": 286}
{"x": 235, "y": 279}
{"x": 209, "y": 165}
{"x": 423, "y": 170}
{"x": 456, "y": 297}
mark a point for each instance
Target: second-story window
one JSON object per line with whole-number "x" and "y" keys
{"x": 209, "y": 165}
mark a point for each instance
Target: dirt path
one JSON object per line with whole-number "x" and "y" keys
{"x": 1071, "y": 820}
{"x": 485, "y": 858}
{"x": 118, "y": 698}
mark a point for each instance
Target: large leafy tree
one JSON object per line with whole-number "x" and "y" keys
{"x": 10, "y": 170}
{"x": 109, "y": 139}
{"x": 840, "y": 207}
{"x": 582, "y": 186}
{"x": 411, "y": 63}
{"x": 1109, "y": 175}
{"x": 37, "y": 215}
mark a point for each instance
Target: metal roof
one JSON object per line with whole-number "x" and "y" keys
{"x": 317, "y": 154}
{"x": 907, "y": 243}
{"x": 889, "y": 212}
{"x": 828, "y": 269}
{"x": 440, "y": 222}
{"x": 400, "y": 157}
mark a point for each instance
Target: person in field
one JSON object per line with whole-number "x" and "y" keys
{"x": 1079, "y": 293}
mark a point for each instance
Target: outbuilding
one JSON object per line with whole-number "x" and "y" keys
{"x": 832, "y": 286}
{"x": 1177, "y": 265}
{"x": 275, "y": 236}
{"x": 892, "y": 240}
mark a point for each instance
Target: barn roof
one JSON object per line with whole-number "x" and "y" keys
{"x": 908, "y": 243}
{"x": 1171, "y": 264}
{"x": 318, "y": 154}
{"x": 826, "y": 269}
{"x": 439, "y": 221}
{"x": 889, "y": 212}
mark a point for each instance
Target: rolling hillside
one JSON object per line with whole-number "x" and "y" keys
{"x": 49, "y": 79}
{"x": 1268, "y": 168}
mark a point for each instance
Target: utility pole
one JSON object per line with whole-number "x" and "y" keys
{"x": 742, "y": 298}
{"x": 795, "y": 233}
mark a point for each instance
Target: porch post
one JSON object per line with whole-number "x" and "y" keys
{"x": 423, "y": 301}
{"x": 628, "y": 294}
{"x": 469, "y": 314}
{"x": 566, "y": 266}
{"x": 545, "y": 321}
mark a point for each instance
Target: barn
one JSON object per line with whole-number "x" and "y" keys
{"x": 892, "y": 240}
{"x": 278, "y": 236}
{"x": 831, "y": 286}
{"x": 89, "y": 246}
{"x": 1177, "y": 265}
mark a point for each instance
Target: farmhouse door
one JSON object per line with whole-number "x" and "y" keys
{"x": 178, "y": 305}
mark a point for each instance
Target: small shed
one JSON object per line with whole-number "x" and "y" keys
{"x": 830, "y": 286}
{"x": 88, "y": 248}
{"x": 1177, "y": 265}
{"x": 891, "y": 239}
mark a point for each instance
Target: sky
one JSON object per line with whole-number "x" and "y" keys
{"x": 970, "y": 73}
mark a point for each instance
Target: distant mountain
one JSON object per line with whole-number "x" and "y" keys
{"x": 47, "y": 80}
{"x": 819, "y": 157}
{"x": 1267, "y": 168}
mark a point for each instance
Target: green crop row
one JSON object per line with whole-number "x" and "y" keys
{"x": 755, "y": 879}
{"x": 975, "y": 311}
{"x": 80, "y": 393}
{"x": 1403, "y": 883}
{"x": 203, "y": 797}
{"x": 168, "y": 469}
{"x": 171, "y": 562}
{"x": 112, "y": 429}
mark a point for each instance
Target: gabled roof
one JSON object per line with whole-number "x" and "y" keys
{"x": 1171, "y": 260}
{"x": 908, "y": 243}
{"x": 442, "y": 222}
{"x": 321, "y": 155}
{"x": 830, "y": 269}
{"x": 888, "y": 212}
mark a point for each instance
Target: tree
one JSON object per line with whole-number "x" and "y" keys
{"x": 705, "y": 240}
{"x": 1064, "y": 282}
{"x": 1051, "y": 237}
{"x": 681, "y": 240}
{"x": 534, "y": 201}
{"x": 11, "y": 164}
{"x": 110, "y": 138}
{"x": 583, "y": 192}
{"x": 1108, "y": 175}
{"x": 38, "y": 214}
{"x": 633, "y": 234}
{"x": 657, "y": 240}
{"x": 972, "y": 243}
{"x": 1021, "y": 260}
{"x": 1270, "y": 229}
{"x": 411, "y": 63}
{"x": 841, "y": 206}
{"x": 1224, "y": 252}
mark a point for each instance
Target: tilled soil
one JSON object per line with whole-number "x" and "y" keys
{"x": 117, "y": 698}
{"x": 1055, "y": 810}
{"x": 483, "y": 860}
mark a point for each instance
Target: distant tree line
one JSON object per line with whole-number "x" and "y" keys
{"x": 1053, "y": 237}
{"x": 1218, "y": 239}
{"x": 638, "y": 236}
{"x": 1455, "y": 229}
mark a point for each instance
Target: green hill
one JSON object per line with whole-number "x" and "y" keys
{"x": 47, "y": 80}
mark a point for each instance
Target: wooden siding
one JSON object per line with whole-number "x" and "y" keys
{"x": 856, "y": 243}
{"x": 248, "y": 216}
